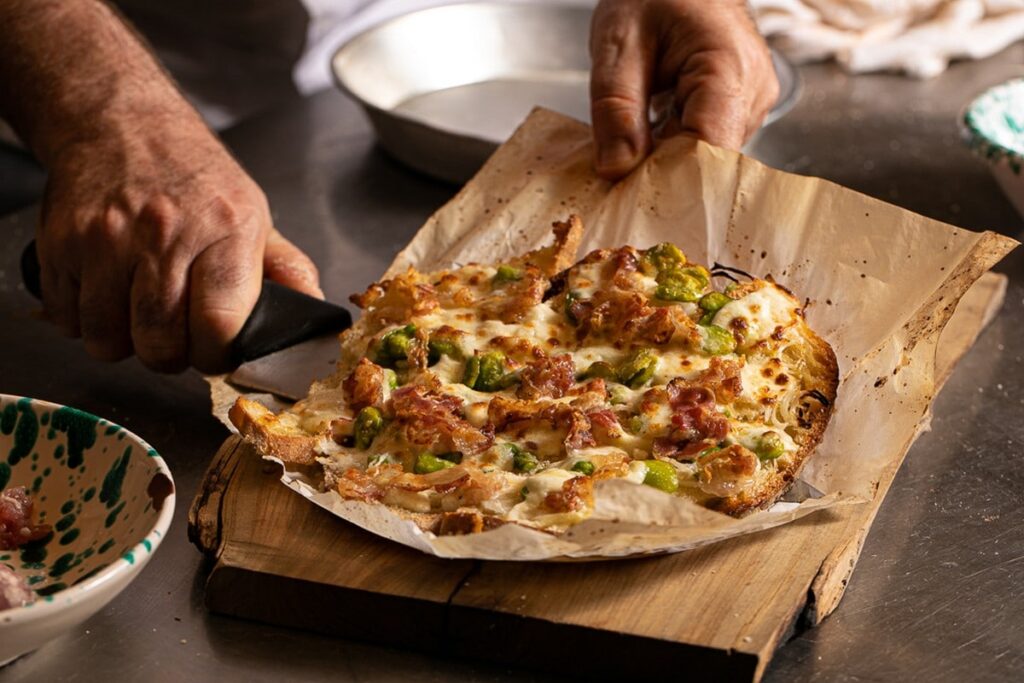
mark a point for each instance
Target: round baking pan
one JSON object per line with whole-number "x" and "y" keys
{"x": 443, "y": 87}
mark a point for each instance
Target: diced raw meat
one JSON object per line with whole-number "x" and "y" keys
{"x": 16, "y": 527}
{"x": 14, "y": 592}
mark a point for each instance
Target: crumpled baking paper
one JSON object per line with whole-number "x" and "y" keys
{"x": 880, "y": 282}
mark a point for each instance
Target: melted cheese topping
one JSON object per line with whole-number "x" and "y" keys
{"x": 759, "y": 314}
{"x": 534, "y": 493}
{"x": 766, "y": 322}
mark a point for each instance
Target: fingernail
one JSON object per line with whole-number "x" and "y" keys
{"x": 615, "y": 154}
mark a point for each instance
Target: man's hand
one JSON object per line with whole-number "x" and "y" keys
{"x": 707, "y": 55}
{"x": 153, "y": 241}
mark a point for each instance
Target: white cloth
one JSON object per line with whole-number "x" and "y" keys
{"x": 916, "y": 37}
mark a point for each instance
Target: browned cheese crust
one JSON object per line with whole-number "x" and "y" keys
{"x": 260, "y": 426}
{"x": 819, "y": 401}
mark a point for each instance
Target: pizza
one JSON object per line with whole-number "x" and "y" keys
{"x": 501, "y": 394}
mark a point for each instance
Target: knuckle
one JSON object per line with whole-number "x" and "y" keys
{"x": 707, "y": 64}
{"x": 223, "y": 210}
{"x": 159, "y": 218}
{"x": 614, "y": 107}
{"x": 106, "y": 228}
{"x": 610, "y": 41}
{"x": 224, "y": 277}
{"x": 612, "y": 26}
{"x": 153, "y": 313}
{"x": 236, "y": 206}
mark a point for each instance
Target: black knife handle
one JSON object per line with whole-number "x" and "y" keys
{"x": 281, "y": 317}
{"x": 30, "y": 271}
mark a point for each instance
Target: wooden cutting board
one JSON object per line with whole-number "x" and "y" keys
{"x": 721, "y": 610}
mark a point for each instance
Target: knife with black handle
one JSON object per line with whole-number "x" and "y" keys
{"x": 281, "y": 318}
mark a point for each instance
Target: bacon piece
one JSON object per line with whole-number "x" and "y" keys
{"x": 427, "y": 418}
{"x": 699, "y": 423}
{"x": 576, "y": 494}
{"x": 477, "y": 489}
{"x": 658, "y": 327}
{"x": 624, "y": 263}
{"x": 582, "y": 312}
{"x": 625, "y": 317}
{"x": 696, "y": 424}
{"x": 411, "y": 400}
{"x": 442, "y": 481}
{"x": 396, "y": 300}
{"x": 684, "y": 451}
{"x": 728, "y": 471}
{"x": 590, "y": 400}
{"x": 596, "y": 386}
{"x": 513, "y": 301}
{"x": 509, "y": 415}
{"x": 605, "y": 424}
{"x": 365, "y": 385}
{"x": 342, "y": 429}
{"x": 609, "y": 312}
{"x": 358, "y": 485}
{"x": 577, "y": 425}
{"x": 665, "y": 447}
{"x": 558, "y": 256}
{"x": 460, "y": 523}
{"x": 723, "y": 378}
{"x": 419, "y": 353}
{"x": 16, "y": 527}
{"x": 550, "y": 376}
{"x": 683, "y": 394}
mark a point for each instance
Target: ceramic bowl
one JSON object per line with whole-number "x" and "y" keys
{"x": 993, "y": 125}
{"x": 109, "y": 499}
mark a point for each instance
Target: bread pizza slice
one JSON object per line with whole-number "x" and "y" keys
{"x": 501, "y": 393}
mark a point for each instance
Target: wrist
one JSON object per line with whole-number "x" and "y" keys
{"x": 100, "y": 81}
{"x": 119, "y": 111}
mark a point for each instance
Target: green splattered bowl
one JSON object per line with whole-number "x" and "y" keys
{"x": 109, "y": 498}
{"x": 993, "y": 126}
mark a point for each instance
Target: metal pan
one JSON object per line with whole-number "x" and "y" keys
{"x": 443, "y": 87}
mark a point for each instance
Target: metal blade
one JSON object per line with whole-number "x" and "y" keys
{"x": 801, "y": 491}
{"x": 289, "y": 372}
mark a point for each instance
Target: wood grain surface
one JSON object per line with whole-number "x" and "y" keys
{"x": 716, "y": 613}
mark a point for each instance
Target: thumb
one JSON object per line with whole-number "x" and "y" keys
{"x": 619, "y": 90}
{"x": 286, "y": 264}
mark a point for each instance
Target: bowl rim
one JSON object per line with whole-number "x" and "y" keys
{"x": 979, "y": 141}
{"x": 119, "y": 568}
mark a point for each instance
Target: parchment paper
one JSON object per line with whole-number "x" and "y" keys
{"x": 881, "y": 283}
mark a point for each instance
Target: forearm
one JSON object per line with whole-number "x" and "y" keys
{"x": 72, "y": 71}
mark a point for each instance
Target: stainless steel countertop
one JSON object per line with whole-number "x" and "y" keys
{"x": 939, "y": 591}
